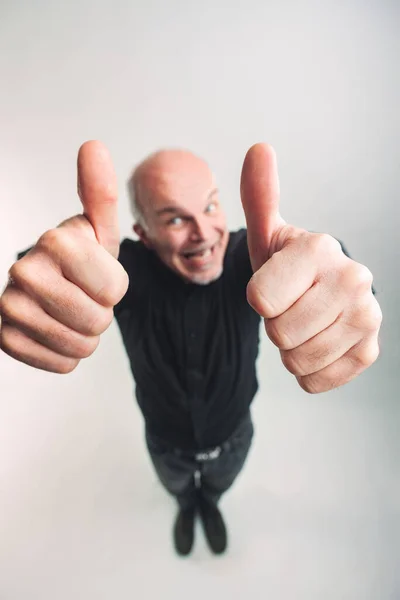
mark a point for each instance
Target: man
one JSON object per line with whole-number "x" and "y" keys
{"x": 188, "y": 297}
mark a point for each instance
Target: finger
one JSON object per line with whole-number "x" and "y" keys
{"x": 97, "y": 188}
{"x": 22, "y": 312}
{"x": 305, "y": 259}
{"x": 83, "y": 262}
{"x": 259, "y": 189}
{"x": 18, "y": 345}
{"x": 312, "y": 313}
{"x": 322, "y": 350}
{"x": 348, "y": 367}
{"x": 283, "y": 279}
{"x": 61, "y": 299}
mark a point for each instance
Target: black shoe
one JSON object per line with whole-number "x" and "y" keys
{"x": 184, "y": 531}
{"x": 214, "y": 526}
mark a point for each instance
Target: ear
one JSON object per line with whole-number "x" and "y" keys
{"x": 141, "y": 233}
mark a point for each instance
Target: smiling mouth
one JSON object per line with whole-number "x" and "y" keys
{"x": 200, "y": 253}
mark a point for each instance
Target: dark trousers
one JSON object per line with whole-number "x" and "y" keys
{"x": 185, "y": 474}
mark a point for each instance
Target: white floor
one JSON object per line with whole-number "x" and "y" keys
{"x": 315, "y": 515}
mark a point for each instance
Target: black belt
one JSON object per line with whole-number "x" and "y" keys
{"x": 213, "y": 453}
{"x": 203, "y": 455}
{"x": 208, "y": 454}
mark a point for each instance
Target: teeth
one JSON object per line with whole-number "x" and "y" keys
{"x": 202, "y": 253}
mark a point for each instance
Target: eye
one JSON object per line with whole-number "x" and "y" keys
{"x": 212, "y": 204}
{"x": 173, "y": 221}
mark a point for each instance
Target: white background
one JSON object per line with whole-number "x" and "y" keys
{"x": 315, "y": 514}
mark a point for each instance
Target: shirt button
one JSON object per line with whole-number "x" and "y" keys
{"x": 192, "y": 335}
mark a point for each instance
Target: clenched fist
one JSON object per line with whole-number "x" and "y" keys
{"x": 318, "y": 305}
{"x": 60, "y": 296}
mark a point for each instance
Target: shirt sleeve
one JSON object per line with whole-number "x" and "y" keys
{"x": 23, "y": 252}
{"x": 129, "y": 260}
{"x": 242, "y": 256}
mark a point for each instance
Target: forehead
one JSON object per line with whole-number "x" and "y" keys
{"x": 175, "y": 178}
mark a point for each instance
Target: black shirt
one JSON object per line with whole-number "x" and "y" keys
{"x": 192, "y": 348}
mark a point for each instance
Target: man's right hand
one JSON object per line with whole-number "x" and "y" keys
{"x": 60, "y": 296}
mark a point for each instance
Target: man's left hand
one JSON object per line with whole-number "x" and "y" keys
{"x": 317, "y": 303}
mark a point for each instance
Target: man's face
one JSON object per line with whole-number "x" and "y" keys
{"x": 186, "y": 223}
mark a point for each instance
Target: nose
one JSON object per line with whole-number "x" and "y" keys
{"x": 201, "y": 229}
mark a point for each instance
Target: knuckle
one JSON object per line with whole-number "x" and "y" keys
{"x": 7, "y": 311}
{"x": 257, "y": 300}
{"x": 10, "y": 344}
{"x": 9, "y": 341}
{"x": 25, "y": 273}
{"x": 86, "y": 347}
{"x": 364, "y": 277}
{"x": 111, "y": 293}
{"x": 367, "y": 316}
{"x": 20, "y": 271}
{"x": 308, "y": 384}
{"x": 50, "y": 240}
{"x": 66, "y": 366}
{"x": 67, "y": 342}
{"x": 5, "y": 305}
{"x": 366, "y": 355}
{"x": 358, "y": 277}
{"x": 277, "y": 335}
{"x": 13, "y": 306}
{"x": 323, "y": 242}
{"x": 59, "y": 244}
{"x": 78, "y": 224}
{"x": 99, "y": 322}
{"x": 5, "y": 339}
{"x": 374, "y": 317}
{"x": 292, "y": 362}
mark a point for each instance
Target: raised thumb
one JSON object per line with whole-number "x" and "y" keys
{"x": 97, "y": 189}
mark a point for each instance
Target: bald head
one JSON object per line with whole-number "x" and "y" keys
{"x": 173, "y": 174}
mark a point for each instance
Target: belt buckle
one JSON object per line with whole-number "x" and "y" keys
{"x": 209, "y": 455}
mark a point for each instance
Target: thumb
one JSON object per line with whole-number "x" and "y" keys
{"x": 97, "y": 189}
{"x": 259, "y": 188}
